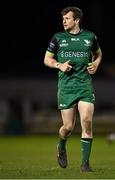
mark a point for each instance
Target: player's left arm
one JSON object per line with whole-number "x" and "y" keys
{"x": 96, "y": 57}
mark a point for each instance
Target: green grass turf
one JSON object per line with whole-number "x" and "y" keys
{"x": 34, "y": 157}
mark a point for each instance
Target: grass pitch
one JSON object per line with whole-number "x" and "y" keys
{"x": 34, "y": 157}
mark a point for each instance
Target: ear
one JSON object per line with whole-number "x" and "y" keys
{"x": 77, "y": 20}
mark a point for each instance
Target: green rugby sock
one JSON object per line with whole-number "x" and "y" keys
{"x": 62, "y": 143}
{"x": 86, "y": 144}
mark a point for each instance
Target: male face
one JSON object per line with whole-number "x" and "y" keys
{"x": 69, "y": 23}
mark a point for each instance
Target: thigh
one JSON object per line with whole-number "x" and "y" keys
{"x": 68, "y": 116}
{"x": 86, "y": 110}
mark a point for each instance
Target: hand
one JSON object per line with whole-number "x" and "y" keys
{"x": 65, "y": 67}
{"x": 92, "y": 68}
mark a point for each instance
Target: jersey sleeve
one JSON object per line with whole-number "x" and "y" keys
{"x": 53, "y": 45}
{"x": 95, "y": 45}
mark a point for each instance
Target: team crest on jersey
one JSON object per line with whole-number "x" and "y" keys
{"x": 87, "y": 42}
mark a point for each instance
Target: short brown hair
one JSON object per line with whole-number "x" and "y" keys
{"x": 77, "y": 13}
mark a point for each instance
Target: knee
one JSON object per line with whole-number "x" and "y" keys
{"x": 68, "y": 128}
{"x": 65, "y": 131}
{"x": 87, "y": 126}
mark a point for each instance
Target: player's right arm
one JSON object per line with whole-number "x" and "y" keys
{"x": 49, "y": 59}
{"x": 51, "y": 62}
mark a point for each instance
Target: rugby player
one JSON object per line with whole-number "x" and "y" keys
{"x": 76, "y": 54}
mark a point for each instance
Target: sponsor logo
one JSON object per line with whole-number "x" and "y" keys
{"x": 62, "y": 105}
{"x": 74, "y": 54}
{"x": 63, "y": 41}
{"x": 93, "y": 97}
{"x": 52, "y": 44}
{"x": 63, "y": 45}
{"x": 75, "y": 39}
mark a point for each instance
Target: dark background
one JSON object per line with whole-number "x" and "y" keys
{"x": 28, "y": 101}
{"x": 27, "y": 27}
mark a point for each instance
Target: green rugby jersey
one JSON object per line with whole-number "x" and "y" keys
{"x": 77, "y": 48}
